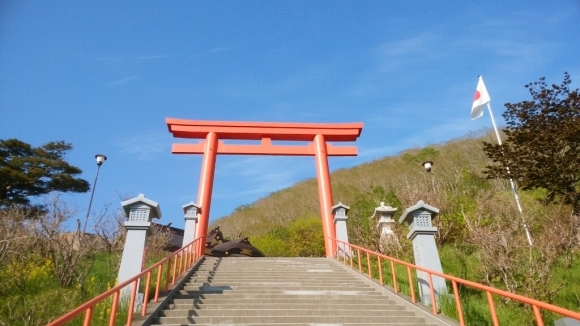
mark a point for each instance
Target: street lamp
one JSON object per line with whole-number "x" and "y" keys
{"x": 428, "y": 165}
{"x": 100, "y": 158}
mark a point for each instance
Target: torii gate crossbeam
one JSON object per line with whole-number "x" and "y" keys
{"x": 316, "y": 134}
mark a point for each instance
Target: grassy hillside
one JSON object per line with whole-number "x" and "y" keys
{"x": 402, "y": 174}
{"x": 480, "y": 238}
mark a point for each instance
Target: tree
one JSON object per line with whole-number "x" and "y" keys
{"x": 27, "y": 171}
{"x": 542, "y": 149}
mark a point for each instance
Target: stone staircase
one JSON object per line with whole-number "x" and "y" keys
{"x": 283, "y": 291}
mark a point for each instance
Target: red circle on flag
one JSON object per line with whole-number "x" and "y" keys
{"x": 477, "y": 95}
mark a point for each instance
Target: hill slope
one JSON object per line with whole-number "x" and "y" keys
{"x": 402, "y": 175}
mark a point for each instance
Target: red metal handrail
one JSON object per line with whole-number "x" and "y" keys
{"x": 536, "y": 305}
{"x": 185, "y": 257}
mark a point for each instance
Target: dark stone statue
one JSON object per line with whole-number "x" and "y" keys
{"x": 217, "y": 246}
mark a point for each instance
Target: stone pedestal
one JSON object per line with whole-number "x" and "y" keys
{"x": 419, "y": 217}
{"x": 140, "y": 211}
{"x": 133, "y": 252}
{"x": 567, "y": 321}
{"x": 339, "y": 212}
{"x": 190, "y": 212}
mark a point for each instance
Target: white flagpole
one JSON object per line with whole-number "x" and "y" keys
{"x": 528, "y": 235}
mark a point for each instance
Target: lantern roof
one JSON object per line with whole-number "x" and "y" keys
{"x": 154, "y": 206}
{"x": 419, "y": 206}
{"x": 339, "y": 205}
{"x": 383, "y": 209}
{"x": 190, "y": 204}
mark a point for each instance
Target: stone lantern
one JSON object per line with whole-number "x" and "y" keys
{"x": 139, "y": 211}
{"x": 190, "y": 211}
{"x": 419, "y": 217}
{"x": 384, "y": 216}
{"x": 339, "y": 212}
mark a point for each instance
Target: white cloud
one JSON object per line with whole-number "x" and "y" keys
{"x": 261, "y": 175}
{"x": 145, "y": 147}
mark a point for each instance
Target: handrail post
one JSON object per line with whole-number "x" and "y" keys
{"x": 411, "y": 287}
{"x": 88, "y": 316}
{"x": 174, "y": 269}
{"x": 158, "y": 282}
{"x": 432, "y": 290}
{"x": 369, "y": 265}
{"x": 538, "y": 315}
{"x": 167, "y": 274}
{"x": 380, "y": 270}
{"x": 114, "y": 307}
{"x": 351, "y": 254}
{"x": 394, "y": 273}
{"x": 492, "y": 308}
{"x": 132, "y": 302}
{"x": 458, "y": 303}
{"x": 146, "y": 295}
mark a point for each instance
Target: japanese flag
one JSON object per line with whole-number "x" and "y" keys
{"x": 479, "y": 100}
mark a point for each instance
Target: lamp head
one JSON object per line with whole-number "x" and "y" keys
{"x": 427, "y": 165}
{"x": 100, "y": 159}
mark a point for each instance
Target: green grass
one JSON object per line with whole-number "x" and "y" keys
{"x": 43, "y": 300}
{"x": 474, "y": 303}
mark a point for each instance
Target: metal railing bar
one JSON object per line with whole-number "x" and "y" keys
{"x": 116, "y": 292}
{"x": 491, "y": 290}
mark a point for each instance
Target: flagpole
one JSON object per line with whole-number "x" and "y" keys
{"x": 528, "y": 235}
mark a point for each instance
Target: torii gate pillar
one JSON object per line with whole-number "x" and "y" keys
{"x": 317, "y": 136}
{"x": 206, "y": 185}
{"x": 325, "y": 194}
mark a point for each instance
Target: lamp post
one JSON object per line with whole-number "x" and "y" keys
{"x": 428, "y": 165}
{"x": 100, "y": 158}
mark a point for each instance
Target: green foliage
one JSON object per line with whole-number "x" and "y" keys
{"x": 42, "y": 299}
{"x": 542, "y": 149}
{"x": 363, "y": 229}
{"x": 460, "y": 201}
{"x": 306, "y": 238}
{"x": 425, "y": 154}
{"x": 271, "y": 245}
{"x": 27, "y": 171}
{"x": 302, "y": 238}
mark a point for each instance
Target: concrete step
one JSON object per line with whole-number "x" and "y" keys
{"x": 274, "y": 291}
{"x": 303, "y": 324}
{"x": 285, "y": 312}
{"x": 270, "y": 288}
{"x": 298, "y": 294}
{"x": 273, "y": 279}
{"x": 278, "y": 283}
{"x": 258, "y": 274}
{"x": 313, "y": 301}
{"x": 288, "y": 320}
{"x": 286, "y": 304}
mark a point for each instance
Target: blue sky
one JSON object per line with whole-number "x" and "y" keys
{"x": 104, "y": 75}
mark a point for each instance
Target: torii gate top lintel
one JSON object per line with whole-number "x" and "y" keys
{"x": 316, "y": 134}
{"x": 257, "y": 130}
{"x": 266, "y": 132}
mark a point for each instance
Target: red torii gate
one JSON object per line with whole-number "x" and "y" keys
{"x": 316, "y": 134}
